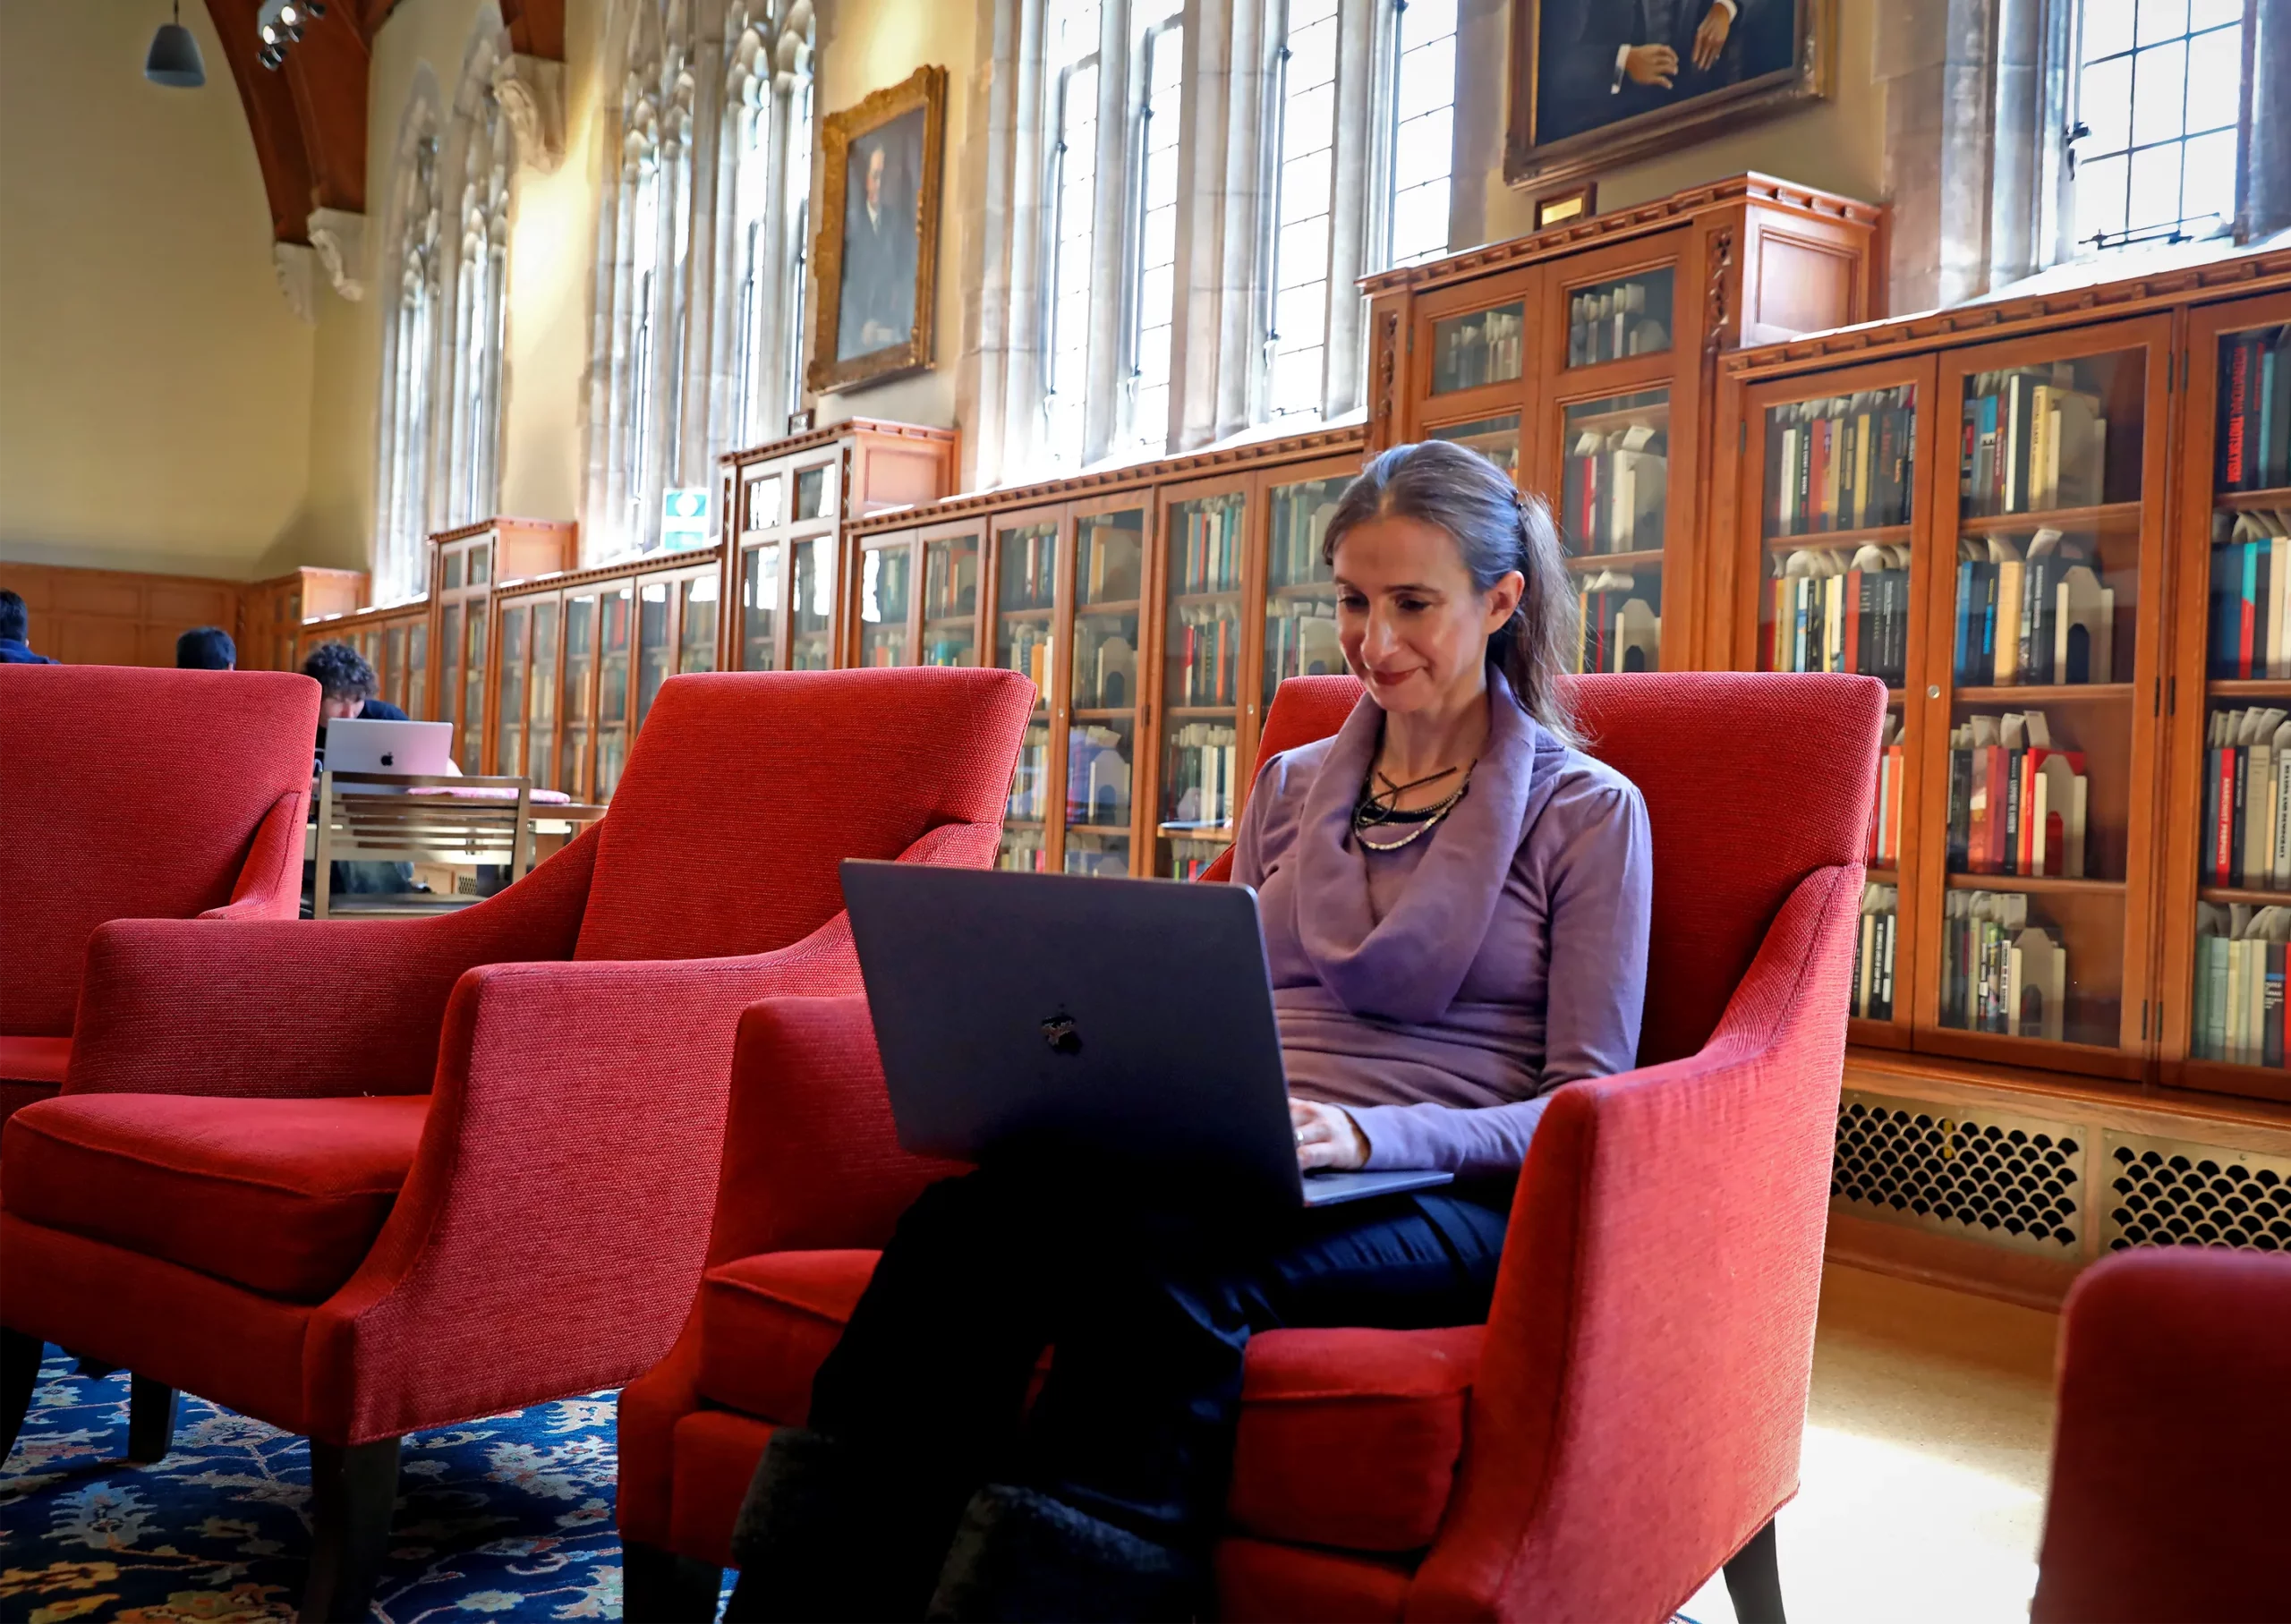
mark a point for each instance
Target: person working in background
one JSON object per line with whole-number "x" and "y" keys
{"x": 206, "y": 648}
{"x": 346, "y": 686}
{"x": 15, "y": 633}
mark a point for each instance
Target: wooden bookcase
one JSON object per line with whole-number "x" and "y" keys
{"x": 1584, "y": 360}
{"x": 786, "y": 504}
{"x": 271, "y": 613}
{"x": 2049, "y": 531}
{"x": 395, "y": 641}
{"x": 466, "y": 566}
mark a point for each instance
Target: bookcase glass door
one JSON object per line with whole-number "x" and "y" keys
{"x": 1101, "y": 729}
{"x": 1625, "y": 316}
{"x": 614, "y": 610}
{"x": 540, "y": 706}
{"x": 472, "y": 740}
{"x": 950, "y": 599}
{"x": 1496, "y": 438}
{"x": 1203, "y": 579}
{"x": 1300, "y": 586}
{"x": 417, "y": 668}
{"x": 394, "y": 672}
{"x": 1478, "y": 348}
{"x": 810, "y": 597}
{"x": 655, "y": 648}
{"x": 1614, "y": 505}
{"x": 579, "y": 698}
{"x": 696, "y": 623}
{"x": 886, "y": 583}
{"x": 2046, "y": 787}
{"x": 1832, "y": 523}
{"x": 2236, "y": 520}
{"x": 1026, "y": 625}
{"x": 449, "y": 660}
{"x": 759, "y": 605}
{"x": 509, "y": 729}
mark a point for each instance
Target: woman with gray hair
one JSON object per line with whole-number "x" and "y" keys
{"x": 1455, "y": 899}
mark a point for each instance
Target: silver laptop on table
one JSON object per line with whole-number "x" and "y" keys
{"x": 1127, "y": 1021}
{"x": 357, "y": 743}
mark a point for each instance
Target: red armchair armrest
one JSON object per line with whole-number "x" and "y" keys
{"x": 270, "y": 880}
{"x": 286, "y": 1008}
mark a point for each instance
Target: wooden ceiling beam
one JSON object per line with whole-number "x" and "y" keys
{"x": 271, "y": 116}
{"x": 327, "y": 70}
{"x": 536, "y": 28}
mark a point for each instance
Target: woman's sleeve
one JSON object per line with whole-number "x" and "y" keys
{"x": 1249, "y": 853}
{"x": 1601, "y": 887}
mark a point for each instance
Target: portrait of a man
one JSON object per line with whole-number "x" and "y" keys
{"x": 1608, "y": 78}
{"x": 877, "y": 309}
{"x": 876, "y": 245}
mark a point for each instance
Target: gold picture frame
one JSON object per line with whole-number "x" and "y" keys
{"x": 877, "y": 325}
{"x": 1778, "y": 58}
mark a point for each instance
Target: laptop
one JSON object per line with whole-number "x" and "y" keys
{"x": 357, "y": 743}
{"x": 1128, "y": 1021}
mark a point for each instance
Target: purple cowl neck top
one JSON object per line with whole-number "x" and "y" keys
{"x": 1442, "y": 991}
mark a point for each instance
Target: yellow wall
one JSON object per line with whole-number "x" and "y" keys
{"x": 155, "y": 390}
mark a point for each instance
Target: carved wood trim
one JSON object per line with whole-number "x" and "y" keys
{"x": 850, "y": 428}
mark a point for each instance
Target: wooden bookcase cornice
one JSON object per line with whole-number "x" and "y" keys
{"x": 770, "y": 450}
{"x": 1334, "y": 440}
{"x": 1578, "y": 234}
{"x": 643, "y": 564}
{"x": 487, "y": 526}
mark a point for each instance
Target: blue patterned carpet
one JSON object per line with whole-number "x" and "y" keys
{"x": 508, "y": 1519}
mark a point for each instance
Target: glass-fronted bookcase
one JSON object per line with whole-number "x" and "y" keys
{"x": 394, "y": 641}
{"x": 467, "y": 568}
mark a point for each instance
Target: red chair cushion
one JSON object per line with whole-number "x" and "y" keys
{"x": 1348, "y": 1438}
{"x": 281, "y": 1196}
{"x": 34, "y": 1059}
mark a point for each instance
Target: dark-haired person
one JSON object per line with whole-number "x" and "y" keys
{"x": 346, "y": 683}
{"x": 15, "y": 633}
{"x": 1455, "y": 900}
{"x": 206, "y": 648}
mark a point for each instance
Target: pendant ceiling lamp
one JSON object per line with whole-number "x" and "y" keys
{"x": 173, "y": 58}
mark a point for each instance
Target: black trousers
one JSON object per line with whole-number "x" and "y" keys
{"x": 1149, "y": 1313}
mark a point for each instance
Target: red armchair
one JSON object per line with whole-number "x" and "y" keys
{"x": 1626, "y": 1422}
{"x": 2169, "y": 1503}
{"x": 359, "y": 1178}
{"x": 136, "y": 794}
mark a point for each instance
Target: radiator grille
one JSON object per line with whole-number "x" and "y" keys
{"x": 1997, "y": 1178}
{"x": 2174, "y": 1192}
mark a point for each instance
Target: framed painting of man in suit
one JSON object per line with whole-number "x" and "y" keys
{"x": 876, "y": 248}
{"x": 1599, "y": 82}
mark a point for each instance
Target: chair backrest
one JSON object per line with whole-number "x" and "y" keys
{"x": 746, "y": 789}
{"x": 366, "y": 817}
{"x": 1751, "y": 781}
{"x": 131, "y": 794}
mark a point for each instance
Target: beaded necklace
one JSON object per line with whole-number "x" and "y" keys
{"x": 1379, "y": 807}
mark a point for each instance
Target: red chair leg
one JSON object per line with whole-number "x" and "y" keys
{"x": 353, "y": 1491}
{"x": 150, "y": 1420}
{"x": 1754, "y": 1580}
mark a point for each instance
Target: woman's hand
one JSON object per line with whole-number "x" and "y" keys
{"x": 1328, "y": 1136}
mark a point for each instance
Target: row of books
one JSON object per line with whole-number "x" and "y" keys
{"x": 1293, "y": 552}
{"x": 1097, "y": 776}
{"x": 1205, "y": 551}
{"x": 1613, "y": 490}
{"x": 2247, "y": 799}
{"x": 1203, "y": 788}
{"x": 1204, "y": 658}
{"x": 2031, "y": 441}
{"x": 1189, "y": 860}
{"x": 951, "y": 583}
{"x": 2239, "y": 969}
{"x": 1023, "y": 851}
{"x": 1836, "y": 612}
{"x": 886, "y": 595}
{"x": 1108, "y": 862}
{"x": 956, "y": 646}
{"x": 1028, "y": 649}
{"x": 2035, "y": 615}
{"x": 1027, "y": 569}
{"x": 2255, "y": 410}
{"x": 1105, "y": 667}
{"x": 2251, "y": 575}
{"x": 2001, "y": 972}
{"x": 1106, "y": 558}
{"x": 1300, "y": 641}
{"x": 2017, "y": 805}
{"x": 1846, "y": 462}
{"x": 1873, "y": 953}
{"x": 1622, "y": 627}
{"x": 1609, "y": 323}
{"x": 1884, "y": 849}
{"x": 1029, "y": 801}
{"x": 1482, "y": 348}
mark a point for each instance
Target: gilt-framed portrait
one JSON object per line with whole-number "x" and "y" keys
{"x": 1601, "y": 82}
{"x": 876, "y": 248}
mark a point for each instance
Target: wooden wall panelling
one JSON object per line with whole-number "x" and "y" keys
{"x": 117, "y": 618}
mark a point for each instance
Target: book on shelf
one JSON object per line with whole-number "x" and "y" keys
{"x": 2254, "y": 431}
{"x": 1609, "y": 323}
{"x": 1203, "y": 788}
{"x": 1097, "y": 776}
{"x": 1295, "y": 554}
{"x": 1029, "y": 569}
{"x": 2239, "y": 988}
{"x": 1614, "y": 488}
{"x": 1873, "y": 953}
{"x": 1030, "y": 646}
{"x": 1475, "y": 349}
{"x": 2251, "y": 575}
{"x": 2017, "y": 805}
{"x": 1300, "y": 641}
{"x": 2030, "y": 441}
{"x": 1022, "y": 851}
{"x": 2247, "y": 799}
{"x": 2032, "y": 613}
{"x": 1110, "y": 562}
{"x": 2000, "y": 972}
{"x": 1205, "y": 654}
{"x": 1029, "y": 781}
{"x": 1621, "y": 628}
{"x": 1209, "y": 553}
{"x": 1883, "y": 848}
{"x": 950, "y": 590}
{"x": 1105, "y": 667}
{"x": 1847, "y": 463}
{"x": 1835, "y": 611}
